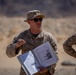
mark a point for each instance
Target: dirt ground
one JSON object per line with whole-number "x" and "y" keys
{"x": 11, "y": 66}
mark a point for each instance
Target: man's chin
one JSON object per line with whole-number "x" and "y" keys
{"x": 39, "y": 26}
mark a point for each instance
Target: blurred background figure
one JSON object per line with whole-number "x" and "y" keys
{"x": 68, "y": 46}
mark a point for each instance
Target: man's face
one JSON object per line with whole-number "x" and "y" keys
{"x": 36, "y": 22}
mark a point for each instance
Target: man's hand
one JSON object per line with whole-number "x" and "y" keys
{"x": 41, "y": 68}
{"x": 19, "y": 43}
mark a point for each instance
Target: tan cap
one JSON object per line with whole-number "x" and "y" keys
{"x": 32, "y": 14}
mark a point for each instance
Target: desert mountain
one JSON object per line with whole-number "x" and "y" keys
{"x": 52, "y": 8}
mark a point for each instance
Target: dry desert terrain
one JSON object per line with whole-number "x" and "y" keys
{"x": 61, "y": 28}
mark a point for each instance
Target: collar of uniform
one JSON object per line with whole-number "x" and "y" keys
{"x": 39, "y": 36}
{"x": 29, "y": 33}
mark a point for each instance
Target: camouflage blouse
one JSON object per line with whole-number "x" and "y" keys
{"x": 31, "y": 43}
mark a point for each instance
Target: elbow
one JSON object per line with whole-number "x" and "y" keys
{"x": 9, "y": 53}
{"x": 65, "y": 48}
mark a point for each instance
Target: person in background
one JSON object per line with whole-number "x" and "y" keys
{"x": 68, "y": 45}
{"x": 31, "y": 38}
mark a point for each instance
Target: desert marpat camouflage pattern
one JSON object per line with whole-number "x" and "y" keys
{"x": 31, "y": 43}
{"x": 68, "y": 45}
{"x": 32, "y": 14}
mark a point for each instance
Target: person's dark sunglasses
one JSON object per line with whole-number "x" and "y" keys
{"x": 38, "y": 19}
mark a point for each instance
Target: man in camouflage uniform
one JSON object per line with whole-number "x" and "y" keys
{"x": 68, "y": 45}
{"x": 31, "y": 38}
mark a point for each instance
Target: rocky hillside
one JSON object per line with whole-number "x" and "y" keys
{"x": 53, "y": 8}
{"x": 61, "y": 27}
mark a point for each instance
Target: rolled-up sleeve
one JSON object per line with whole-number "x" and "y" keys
{"x": 10, "y": 50}
{"x": 67, "y": 45}
{"x": 53, "y": 42}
